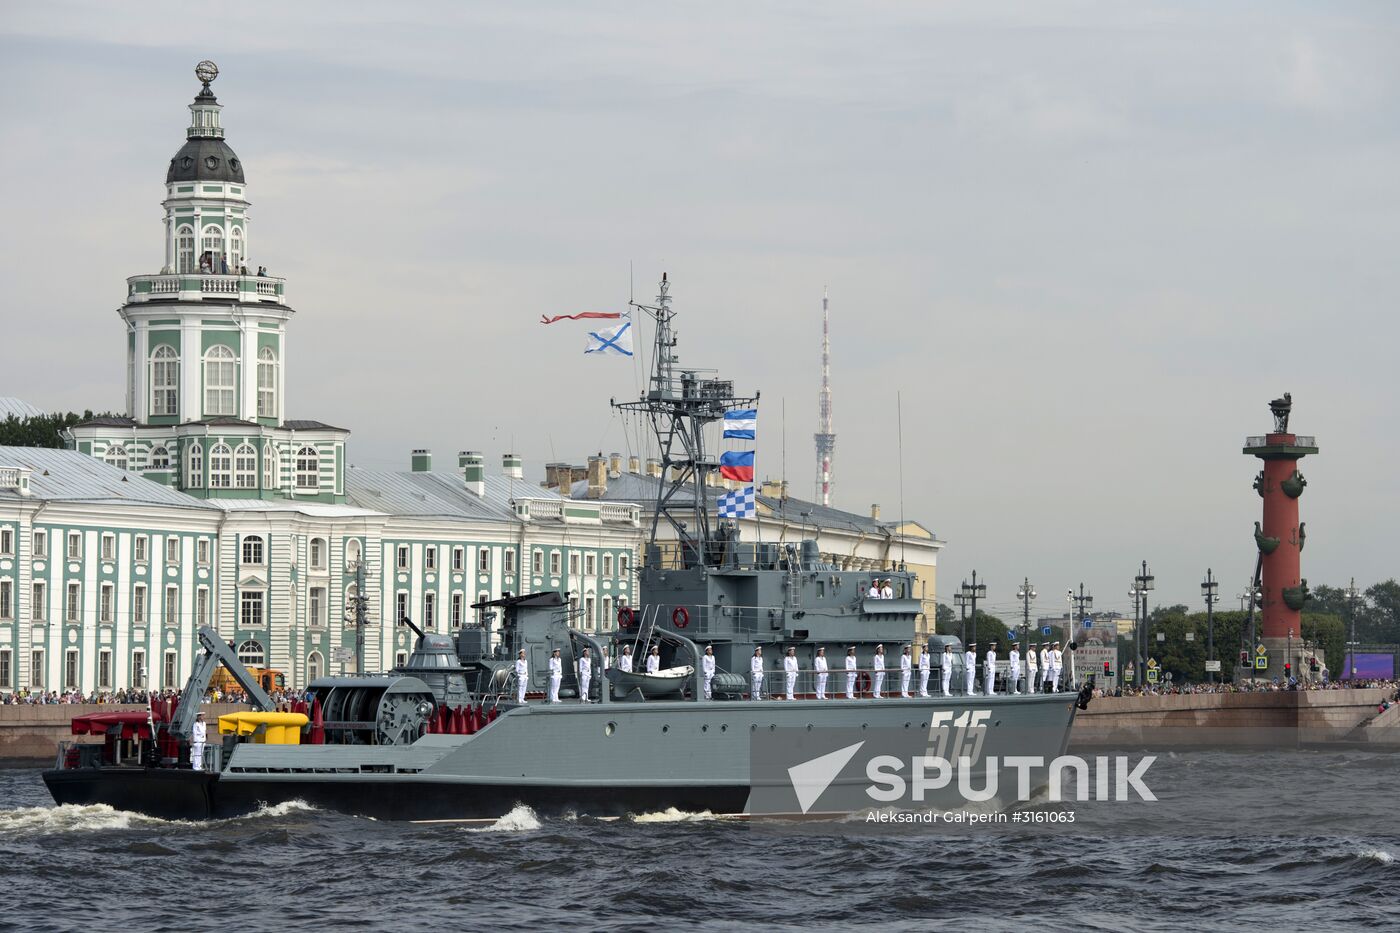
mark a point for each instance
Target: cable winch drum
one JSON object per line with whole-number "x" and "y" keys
{"x": 385, "y": 710}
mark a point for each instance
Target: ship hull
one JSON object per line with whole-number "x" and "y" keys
{"x": 597, "y": 760}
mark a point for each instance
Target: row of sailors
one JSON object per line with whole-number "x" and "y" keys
{"x": 880, "y": 589}
{"x": 1044, "y": 665}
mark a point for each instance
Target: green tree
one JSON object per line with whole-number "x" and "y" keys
{"x": 1327, "y": 631}
{"x": 945, "y": 620}
{"x": 41, "y": 430}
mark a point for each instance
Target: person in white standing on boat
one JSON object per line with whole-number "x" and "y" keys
{"x": 585, "y": 674}
{"x": 624, "y": 660}
{"x": 923, "y": 670}
{"x": 556, "y": 675}
{"x": 970, "y": 668}
{"x": 1032, "y": 668}
{"x": 1014, "y": 675}
{"x": 851, "y": 673}
{"x": 198, "y": 734}
{"x": 707, "y": 667}
{"x": 878, "y": 666}
{"x": 819, "y": 665}
{"x": 874, "y": 591}
{"x": 989, "y": 670}
{"x": 946, "y": 671}
{"x": 886, "y": 590}
{"x": 654, "y": 660}
{"x": 906, "y": 671}
{"x": 756, "y": 675}
{"x": 522, "y": 676}
{"x": 1047, "y": 663}
{"x": 790, "y": 672}
{"x": 1058, "y": 659}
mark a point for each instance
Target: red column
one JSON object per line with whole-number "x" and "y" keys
{"x": 1282, "y": 567}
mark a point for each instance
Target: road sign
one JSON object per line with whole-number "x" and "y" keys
{"x": 1260, "y": 650}
{"x": 1046, "y": 630}
{"x": 1161, "y": 636}
{"x": 1261, "y": 662}
{"x": 1190, "y": 636}
{"x": 343, "y": 655}
{"x": 1088, "y": 623}
{"x": 1152, "y": 675}
{"x": 1010, "y": 634}
{"x": 1213, "y": 666}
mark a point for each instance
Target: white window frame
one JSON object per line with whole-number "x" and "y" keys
{"x": 221, "y": 466}
{"x": 508, "y": 561}
{"x": 201, "y": 551}
{"x": 483, "y": 560}
{"x": 75, "y": 545}
{"x": 400, "y": 606}
{"x": 7, "y": 669}
{"x": 458, "y": 609}
{"x": 220, "y": 381}
{"x": 160, "y": 458}
{"x": 139, "y": 671}
{"x": 138, "y": 604}
{"x": 429, "y": 619}
{"x": 141, "y": 549}
{"x": 308, "y": 469}
{"x": 316, "y": 606}
{"x": 7, "y": 542}
{"x": 316, "y": 553}
{"x": 7, "y": 599}
{"x": 212, "y": 242}
{"x": 252, "y": 609}
{"x": 104, "y": 669}
{"x": 459, "y": 559}
{"x": 201, "y": 606}
{"x": 251, "y": 552}
{"x": 245, "y": 467}
{"x": 116, "y": 456}
{"x": 267, "y": 383}
{"x": 71, "y": 669}
{"x": 314, "y": 667}
{"x": 269, "y": 465}
{"x": 573, "y": 564}
{"x": 607, "y": 565}
{"x": 185, "y": 260}
{"x": 556, "y": 563}
{"x": 171, "y": 606}
{"x": 106, "y": 603}
{"x": 171, "y": 672}
{"x": 172, "y": 549}
{"x": 537, "y": 561}
{"x": 41, "y": 544}
{"x": 194, "y": 467}
{"x": 109, "y": 546}
{"x": 430, "y": 557}
{"x": 38, "y": 601}
{"x": 165, "y": 381}
{"x": 73, "y": 604}
{"x": 401, "y": 553}
{"x": 36, "y": 668}
{"x": 590, "y": 564}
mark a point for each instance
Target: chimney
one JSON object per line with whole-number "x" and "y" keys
{"x": 421, "y": 461}
{"x": 614, "y": 465}
{"x": 653, "y": 467}
{"x": 875, "y": 511}
{"x": 634, "y": 465}
{"x": 473, "y": 473}
{"x": 511, "y": 468}
{"x": 597, "y": 477}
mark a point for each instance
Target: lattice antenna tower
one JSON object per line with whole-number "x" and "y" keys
{"x": 825, "y": 439}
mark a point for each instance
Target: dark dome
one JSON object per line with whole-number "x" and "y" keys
{"x": 205, "y": 159}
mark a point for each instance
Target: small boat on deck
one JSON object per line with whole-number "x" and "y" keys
{"x": 664, "y": 683}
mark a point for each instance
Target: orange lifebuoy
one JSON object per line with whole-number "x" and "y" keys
{"x": 626, "y": 615}
{"x": 680, "y": 617}
{"x": 862, "y": 682}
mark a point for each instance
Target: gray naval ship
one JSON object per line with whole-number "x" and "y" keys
{"x": 448, "y": 737}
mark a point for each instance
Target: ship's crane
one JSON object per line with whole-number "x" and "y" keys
{"x": 216, "y": 652}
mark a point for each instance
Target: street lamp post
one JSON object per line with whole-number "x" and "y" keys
{"x": 970, "y": 595}
{"x": 1025, "y": 594}
{"x": 1209, "y": 592}
{"x": 1353, "y": 596}
{"x": 1083, "y": 602}
{"x": 1142, "y": 583}
{"x": 960, "y": 601}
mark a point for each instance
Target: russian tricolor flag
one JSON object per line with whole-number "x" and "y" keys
{"x": 741, "y": 423}
{"x": 737, "y": 465}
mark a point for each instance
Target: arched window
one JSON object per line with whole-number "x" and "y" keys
{"x": 116, "y": 456}
{"x": 194, "y": 470}
{"x": 251, "y": 652}
{"x": 267, "y": 383}
{"x": 245, "y": 467}
{"x": 220, "y": 467}
{"x": 318, "y": 554}
{"x": 165, "y": 381}
{"x": 235, "y": 249}
{"x": 214, "y": 244}
{"x": 313, "y": 667}
{"x": 184, "y": 249}
{"x": 252, "y": 549}
{"x": 269, "y": 466}
{"x": 160, "y": 458}
{"x": 220, "y": 377}
{"x": 308, "y": 468}
{"x": 352, "y": 553}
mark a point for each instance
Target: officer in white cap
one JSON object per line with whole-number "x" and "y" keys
{"x": 877, "y": 665}
{"x": 820, "y": 666}
{"x": 1014, "y": 658}
{"x": 756, "y": 675}
{"x": 1032, "y": 668}
{"x": 989, "y": 670}
{"x": 924, "y": 663}
{"x": 707, "y": 668}
{"x": 585, "y": 673}
{"x": 790, "y": 672}
{"x": 851, "y": 673}
{"x": 970, "y": 667}
{"x": 624, "y": 660}
{"x": 198, "y": 734}
{"x": 1058, "y": 659}
{"x": 1047, "y": 665}
{"x": 945, "y": 672}
{"x": 522, "y": 676}
{"x": 556, "y": 675}
{"x": 906, "y": 671}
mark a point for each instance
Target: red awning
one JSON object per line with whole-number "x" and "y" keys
{"x": 132, "y": 725}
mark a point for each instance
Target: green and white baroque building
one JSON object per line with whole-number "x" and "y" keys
{"x": 206, "y": 505}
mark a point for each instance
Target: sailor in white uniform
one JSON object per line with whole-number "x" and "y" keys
{"x": 924, "y": 670}
{"x": 945, "y": 672}
{"x": 989, "y": 670}
{"x": 1047, "y": 662}
{"x": 970, "y": 668}
{"x": 522, "y": 676}
{"x": 654, "y": 659}
{"x": 756, "y": 675}
{"x": 1014, "y": 677}
{"x": 556, "y": 675}
{"x": 585, "y": 674}
{"x": 851, "y": 673}
{"x": 1032, "y": 668}
{"x": 906, "y": 670}
{"x": 819, "y": 665}
{"x": 198, "y": 734}
{"x": 886, "y": 590}
{"x": 790, "y": 672}
{"x": 1057, "y": 661}
{"x": 606, "y": 659}
{"x": 874, "y": 591}
{"x": 707, "y": 668}
{"x": 878, "y": 666}
{"x": 624, "y": 661}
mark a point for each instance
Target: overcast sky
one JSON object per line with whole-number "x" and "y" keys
{"x": 1084, "y": 242}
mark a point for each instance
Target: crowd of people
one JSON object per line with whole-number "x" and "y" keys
{"x": 1246, "y": 686}
{"x": 25, "y": 697}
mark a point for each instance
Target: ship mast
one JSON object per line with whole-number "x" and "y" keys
{"x": 826, "y": 440}
{"x": 679, "y": 404}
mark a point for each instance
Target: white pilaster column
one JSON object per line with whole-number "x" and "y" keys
{"x": 140, "y": 374}
{"x": 248, "y": 371}
{"x": 191, "y": 368}
{"x": 169, "y": 242}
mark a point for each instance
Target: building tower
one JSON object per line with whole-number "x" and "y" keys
{"x": 1281, "y": 536}
{"x": 206, "y": 348}
{"x": 826, "y": 441}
